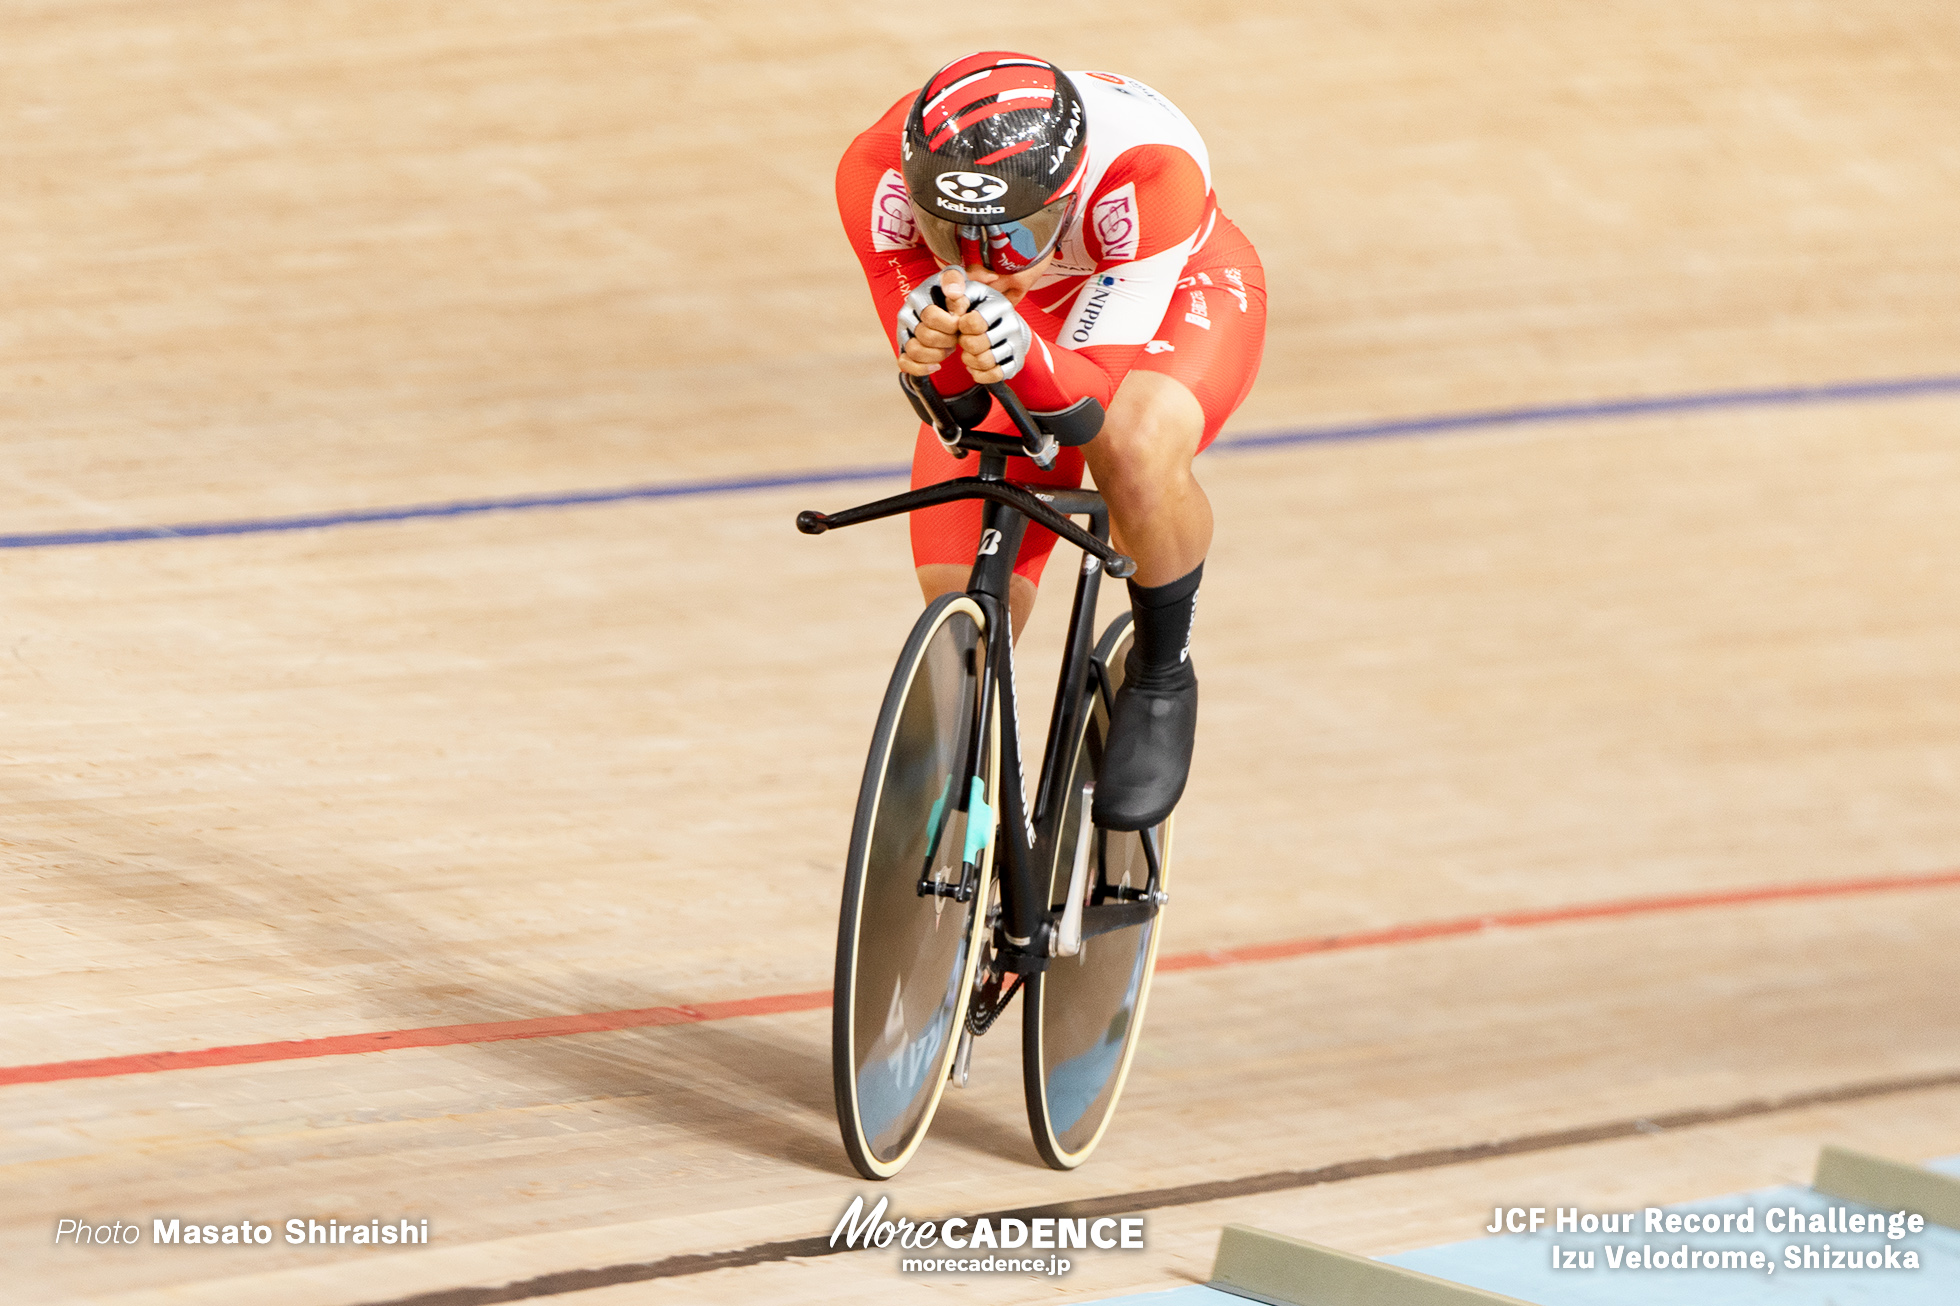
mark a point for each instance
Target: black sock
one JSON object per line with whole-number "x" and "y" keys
{"x": 1161, "y": 656}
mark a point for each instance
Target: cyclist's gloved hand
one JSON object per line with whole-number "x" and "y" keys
{"x": 994, "y": 339}
{"x": 927, "y": 332}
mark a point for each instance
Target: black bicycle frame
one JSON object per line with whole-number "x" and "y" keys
{"x": 1027, "y": 846}
{"x": 1029, "y": 835}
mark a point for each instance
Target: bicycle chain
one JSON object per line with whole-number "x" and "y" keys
{"x": 981, "y": 1014}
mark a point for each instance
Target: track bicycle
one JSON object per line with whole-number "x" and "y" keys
{"x": 957, "y": 896}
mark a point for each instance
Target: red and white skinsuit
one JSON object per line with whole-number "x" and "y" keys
{"x": 1149, "y": 275}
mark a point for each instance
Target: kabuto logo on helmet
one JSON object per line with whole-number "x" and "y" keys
{"x": 972, "y": 187}
{"x": 994, "y": 136}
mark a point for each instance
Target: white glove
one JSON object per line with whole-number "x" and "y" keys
{"x": 916, "y": 303}
{"x": 1008, "y": 333}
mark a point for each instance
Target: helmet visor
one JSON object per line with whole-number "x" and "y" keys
{"x": 1006, "y": 247}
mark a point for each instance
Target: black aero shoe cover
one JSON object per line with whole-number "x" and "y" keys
{"x": 1148, "y": 757}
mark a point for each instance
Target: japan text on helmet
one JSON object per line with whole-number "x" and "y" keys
{"x": 995, "y": 149}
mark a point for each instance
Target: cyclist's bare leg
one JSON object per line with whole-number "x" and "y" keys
{"x": 1158, "y": 512}
{"x": 936, "y": 578}
{"x": 1160, "y": 516}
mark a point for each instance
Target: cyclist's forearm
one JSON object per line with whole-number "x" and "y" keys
{"x": 1054, "y": 377}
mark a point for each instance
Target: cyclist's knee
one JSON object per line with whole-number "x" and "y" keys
{"x": 1140, "y": 480}
{"x": 1146, "y": 446}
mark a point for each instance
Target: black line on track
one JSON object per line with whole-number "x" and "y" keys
{"x": 674, "y": 1267}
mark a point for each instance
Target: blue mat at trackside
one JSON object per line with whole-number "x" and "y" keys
{"x": 1194, "y": 1295}
{"x": 1520, "y": 1265}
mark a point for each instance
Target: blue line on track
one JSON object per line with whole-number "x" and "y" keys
{"x": 458, "y": 508}
{"x": 1846, "y": 392}
{"x": 1782, "y": 397}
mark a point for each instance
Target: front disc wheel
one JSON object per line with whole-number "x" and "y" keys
{"x": 916, "y": 883}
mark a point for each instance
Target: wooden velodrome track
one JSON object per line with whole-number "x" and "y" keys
{"x": 267, "y": 261}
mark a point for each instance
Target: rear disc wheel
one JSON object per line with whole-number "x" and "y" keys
{"x": 1081, "y": 1018}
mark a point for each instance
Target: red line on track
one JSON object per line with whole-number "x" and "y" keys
{"x": 597, "y": 1022}
{"x": 435, "y": 1036}
{"x": 1511, "y": 920}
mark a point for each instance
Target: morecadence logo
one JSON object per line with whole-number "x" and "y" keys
{"x": 861, "y": 1229}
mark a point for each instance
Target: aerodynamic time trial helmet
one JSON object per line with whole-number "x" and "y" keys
{"x": 995, "y": 148}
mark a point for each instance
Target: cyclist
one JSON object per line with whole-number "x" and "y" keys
{"x": 1068, "y": 223}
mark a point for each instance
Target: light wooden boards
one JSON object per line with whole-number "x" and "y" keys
{"x": 289, "y": 786}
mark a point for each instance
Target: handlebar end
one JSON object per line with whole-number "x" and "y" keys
{"x": 811, "y": 522}
{"x": 1121, "y": 567}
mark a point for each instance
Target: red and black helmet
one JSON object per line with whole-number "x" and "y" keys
{"x": 995, "y": 148}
